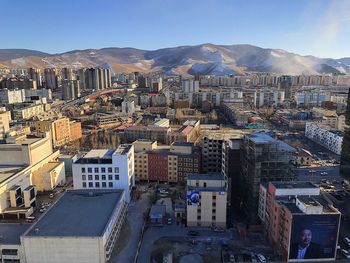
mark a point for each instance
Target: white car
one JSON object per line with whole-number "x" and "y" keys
{"x": 261, "y": 258}
{"x": 347, "y": 241}
{"x": 345, "y": 253}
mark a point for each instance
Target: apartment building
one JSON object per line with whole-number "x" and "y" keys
{"x": 150, "y": 132}
{"x": 62, "y": 130}
{"x": 165, "y": 163}
{"x": 326, "y": 136}
{"x": 27, "y": 112}
{"x": 206, "y": 200}
{"x": 106, "y": 169}
{"x": 292, "y": 210}
{"x": 12, "y": 96}
{"x": 345, "y": 155}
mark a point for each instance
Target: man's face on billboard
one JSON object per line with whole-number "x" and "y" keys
{"x": 305, "y": 237}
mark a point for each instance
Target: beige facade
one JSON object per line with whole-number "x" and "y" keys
{"x": 172, "y": 168}
{"x": 28, "y": 112}
{"x": 4, "y": 123}
{"x": 211, "y": 207}
{"x": 49, "y": 176}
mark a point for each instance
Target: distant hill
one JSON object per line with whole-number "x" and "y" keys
{"x": 200, "y": 59}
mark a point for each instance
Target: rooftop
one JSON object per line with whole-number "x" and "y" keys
{"x": 290, "y": 185}
{"x": 10, "y": 232}
{"x": 263, "y": 138}
{"x": 205, "y": 177}
{"x": 8, "y": 171}
{"x": 78, "y": 213}
{"x": 99, "y": 154}
{"x": 123, "y": 149}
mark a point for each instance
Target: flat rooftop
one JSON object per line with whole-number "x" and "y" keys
{"x": 78, "y": 213}
{"x": 291, "y": 185}
{"x": 205, "y": 177}
{"x": 264, "y": 138}
{"x": 123, "y": 149}
{"x": 99, "y": 154}
{"x": 7, "y": 171}
{"x": 11, "y": 232}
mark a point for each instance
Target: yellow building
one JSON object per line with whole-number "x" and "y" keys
{"x": 60, "y": 130}
{"x": 141, "y": 158}
{"x": 206, "y": 200}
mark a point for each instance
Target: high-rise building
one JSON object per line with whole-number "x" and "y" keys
{"x": 263, "y": 159}
{"x": 51, "y": 78}
{"x": 97, "y": 79}
{"x": 35, "y": 74}
{"x": 67, "y": 73}
{"x": 286, "y": 85}
{"x": 70, "y": 89}
{"x": 345, "y": 155}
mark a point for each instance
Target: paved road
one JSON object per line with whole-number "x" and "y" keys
{"x": 135, "y": 220}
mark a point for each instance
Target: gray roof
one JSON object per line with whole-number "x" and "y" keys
{"x": 10, "y": 232}
{"x": 157, "y": 211}
{"x": 78, "y": 213}
{"x": 205, "y": 177}
{"x": 294, "y": 184}
{"x": 263, "y": 138}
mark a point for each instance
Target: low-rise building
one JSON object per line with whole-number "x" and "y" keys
{"x": 27, "y": 112}
{"x": 206, "y": 200}
{"x": 82, "y": 226}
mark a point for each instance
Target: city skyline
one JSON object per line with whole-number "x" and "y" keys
{"x": 319, "y": 28}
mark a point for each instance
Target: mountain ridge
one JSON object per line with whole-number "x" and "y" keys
{"x": 187, "y": 60}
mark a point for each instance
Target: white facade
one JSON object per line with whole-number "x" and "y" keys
{"x": 111, "y": 169}
{"x": 325, "y": 136}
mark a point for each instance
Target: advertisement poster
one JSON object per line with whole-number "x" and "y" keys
{"x": 313, "y": 237}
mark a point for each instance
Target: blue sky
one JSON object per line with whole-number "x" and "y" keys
{"x": 307, "y": 27}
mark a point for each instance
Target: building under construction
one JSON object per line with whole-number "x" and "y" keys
{"x": 263, "y": 159}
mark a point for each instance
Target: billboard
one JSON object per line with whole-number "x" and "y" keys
{"x": 313, "y": 237}
{"x": 192, "y": 198}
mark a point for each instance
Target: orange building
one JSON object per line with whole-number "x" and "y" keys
{"x": 75, "y": 130}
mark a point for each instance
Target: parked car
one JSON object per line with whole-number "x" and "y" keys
{"x": 345, "y": 253}
{"x": 252, "y": 257}
{"x": 261, "y": 258}
{"x": 51, "y": 196}
{"x": 170, "y": 221}
{"x": 347, "y": 241}
{"x": 192, "y": 233}
{"x": 232, "y": 258}
{"x": 218, "y": 229}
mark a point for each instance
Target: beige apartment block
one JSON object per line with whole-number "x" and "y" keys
{"x": 4, "y": 123}
{"x": 49, "y": 176}
{"x": 206, "y": 200}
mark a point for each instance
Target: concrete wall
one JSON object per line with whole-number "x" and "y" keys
{"x": 63, "y": 249}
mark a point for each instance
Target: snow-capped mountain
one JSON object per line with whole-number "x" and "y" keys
{"x": 200, "y": 59}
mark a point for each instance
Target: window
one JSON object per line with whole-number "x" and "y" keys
{"x": 83, "y": 169}
{"x": 90, "y": 177}
{"x": 214, "y": 217}
{"x": 110, "y": 177}
{"x": 103, "y": 177}
{"x": 214, "y": 211}
{"x": 84, "y": 185}
{"x": 97, "y": 177}
{"x": 83, "y": 177}
{"x": 89, "y": 170}
{"x": 97, "y": 184}
{"x": 116, "y": 169}
{"x": 104, "y": 185}
{"x": 96, "y": 169}
{"x": 198, "y": 217}
{"x": 110, "y": 169}
{"x": 90, "y": 184}
{"x": 110, "y": 184}
{"x": 103, "y": 170}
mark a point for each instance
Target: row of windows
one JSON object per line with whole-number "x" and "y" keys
{"x": 97, "y": 169}
{"x": 97, "y": 184}
{"x": 97, "y": 177}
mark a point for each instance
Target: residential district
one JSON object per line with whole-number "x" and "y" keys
{"x": 104, "y": 167}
